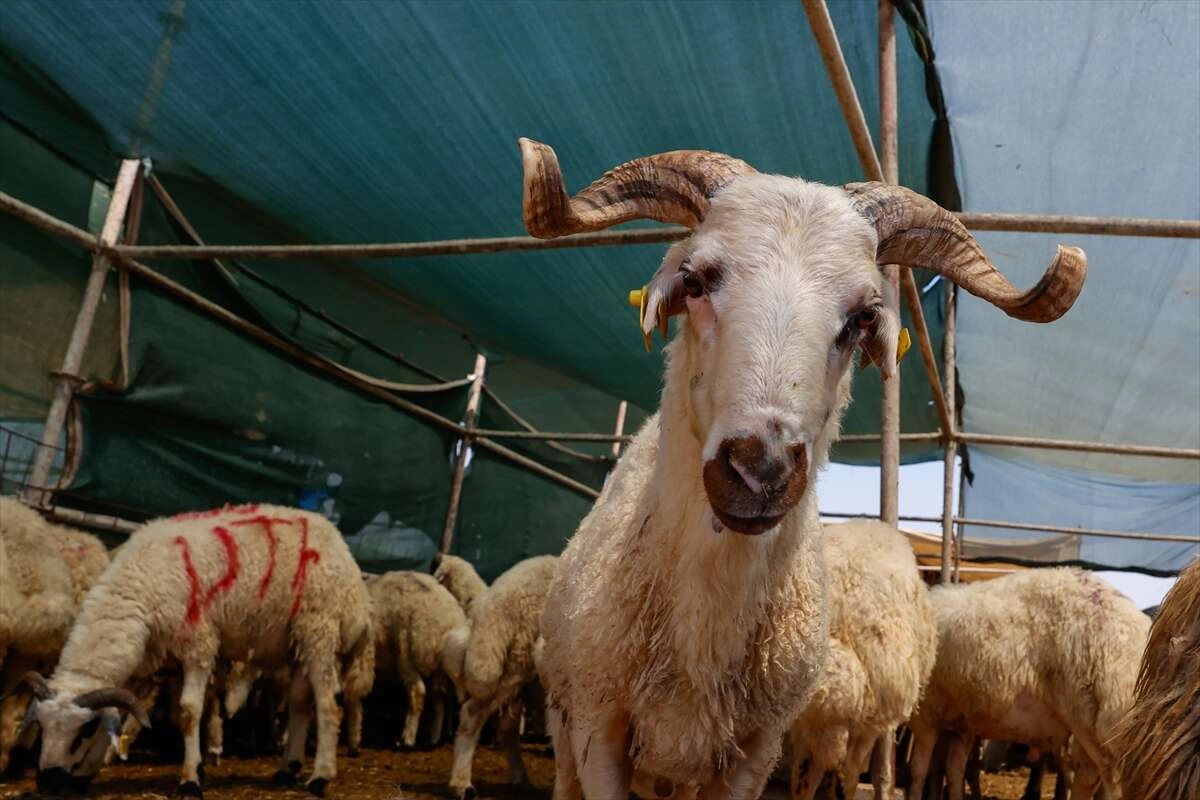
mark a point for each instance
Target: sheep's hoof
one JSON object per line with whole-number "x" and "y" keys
{"x": 287, "y": 776}
{"x": 467, "y": 793}
{"x": 316, "y": 786}
{"x": 200, "y": 773}
{"x": 352, "y": 752}
{"x": 189, "y": 789}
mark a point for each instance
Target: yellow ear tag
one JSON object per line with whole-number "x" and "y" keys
{"x": 123, "y": 746}
{"x": 637, "y": 299}
{"x": 903, "y": 342}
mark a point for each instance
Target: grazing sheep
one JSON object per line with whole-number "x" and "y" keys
{"x": 883, "y": 635}
{"x": 1035, "y": 656}
{"x": 459, "y": 577}
{"x": 45, "y": 572}
{"x": 686, "y": 628}
{"x": 263, "y": 584}
{"x": 413, "y": 618}
{"x": 1158, "y": 741}
{"x": 498, "y": 660}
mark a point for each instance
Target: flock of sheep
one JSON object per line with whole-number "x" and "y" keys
{"x": 700, "y": 616}
{"x": 1047, "y": 657}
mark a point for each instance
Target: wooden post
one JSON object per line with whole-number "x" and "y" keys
{"x": 620, "y": 429}
{"x": 951, "y": 442}
{"x": 464, "y": 446}
{"x": 889, "y": 416}
{"x": 37, "y": 493}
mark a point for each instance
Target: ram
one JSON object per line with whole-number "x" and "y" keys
{"x": 262, "y": 584}
{"x": 1037, "y": 656}
{"x": 687, "y": 625}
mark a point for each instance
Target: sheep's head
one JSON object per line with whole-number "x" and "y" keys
{"x": 76, "y": 731}
{"x": 780, "y": 286}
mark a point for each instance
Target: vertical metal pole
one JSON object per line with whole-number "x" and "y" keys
{"x": 951, "y": 441}
{"x": 884, "y": 755}
{"x": 620, "y": 429}
{"x": 37, "y": 493}
{"x": 464, "y": 444}
{"x": 889, "y": 418}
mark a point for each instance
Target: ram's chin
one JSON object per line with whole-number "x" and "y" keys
{"x": 748, "y": 526}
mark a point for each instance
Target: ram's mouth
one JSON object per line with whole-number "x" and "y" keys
{"x": 749, "y": 526}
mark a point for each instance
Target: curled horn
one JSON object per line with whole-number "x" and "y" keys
{"x": 114, "y": 697}
{"x": 35, "y": 683}
{"x": 668, "y": 187}
{"x": 917, "y": 232}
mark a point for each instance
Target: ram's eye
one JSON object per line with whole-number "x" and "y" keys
{"x": 692, "y": 286}
{"x": 866, "y": 318}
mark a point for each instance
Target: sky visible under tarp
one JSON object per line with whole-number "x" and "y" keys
{"x": 1091, "y": 109}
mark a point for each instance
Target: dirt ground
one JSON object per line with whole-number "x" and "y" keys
{"x": 374, "y": 775}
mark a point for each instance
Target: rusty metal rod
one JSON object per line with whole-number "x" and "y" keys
{"x": 1027, "y": 223}
{"x": 912, "y": 297}
{"x": 464, "y": 447}
{"x": 540, "y": 469}
{"x": 1078, "y": 446}
{"x": 1027, "y": 526}
{"x": 950, "y": 402}
{"x": 87, "y": 519}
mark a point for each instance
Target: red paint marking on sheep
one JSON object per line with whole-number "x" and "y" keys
{"x": 246, "y": 508}
{"x": 197, "y": 604}
{"x": 306, "y": 555}
{"x": 268, "y": 528}
{"x": 193, "y": 604}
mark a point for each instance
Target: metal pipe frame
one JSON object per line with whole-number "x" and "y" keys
{"x": 464, "y": 447}
{"x": 1027, "y": 526}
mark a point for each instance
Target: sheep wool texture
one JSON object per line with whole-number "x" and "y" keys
{"x": 38, "y": 589}
{"x": 257, "y": 581}
{"x": 1159, "y": 739}
{"x": 460, "y": 578}
{"x": 883, "y": 637}
{"x": 413, "y": 619}
{"x": 506, "y": 622}
{"x": 1034, "y": 656}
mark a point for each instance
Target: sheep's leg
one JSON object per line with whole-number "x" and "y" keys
{"x": 437, "y": 731}
{"x": 191, "y": 710}
{"x": 883, "y": 765}
{"x": 471, "y": 718}
{"x": 566, "y": 782}
{"x": 923, "y": 742}
{"x": 747, "y": 777}
{"x": 858, "y": 757}
{"x": 974, "y": 766}
{"x": 323, "y": 674}
{"x": 1086, "y": 779}
{"x": 416, "y": 704}
{"x": 806, "y": 775}
{"x": 215, "y": 729}
{"x": 1033, "y": 786}
{"x": 602, "y": 754}
{"x": 956, "y": 765}
{"x": 354, "y": 720}
{"x": 510, "y": 739}
{"x": 12, "y": 710}
{"x": 299, "y": 714}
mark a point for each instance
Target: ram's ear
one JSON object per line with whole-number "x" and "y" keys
{"x": 664, "y": 294}
{"x": 881, "y": 343}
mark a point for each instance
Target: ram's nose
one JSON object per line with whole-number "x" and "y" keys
{"x": 752, "y": 482}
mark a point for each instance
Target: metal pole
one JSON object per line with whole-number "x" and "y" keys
{"x": 1078, "y": 446}
{"x": 889, "y": 415}
{"x": 950, "y": 400}
{"x": 1026, "y": 526}
{"x": 620, "y": 429}
{"x": 38, "y": 493}
{"x": 464, "y": 447}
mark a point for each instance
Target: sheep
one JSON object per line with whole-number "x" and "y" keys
{"x": 459, "y": 577}
{"x": 883, "y": 634}
{"x": 264, "y": 584}
{"x": 45, "y": 571}
{"x": 1035, "y": 656}
{"x": 1159, "y": 738}
{"x": 498, "y": 660}
{"x": 672, "y": 647}
{"x": 413, "y": 618}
